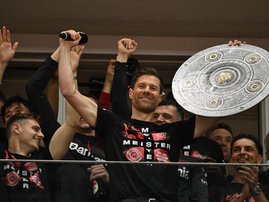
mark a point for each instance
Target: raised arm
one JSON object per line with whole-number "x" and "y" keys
{"x": 7, "y": 50}
{"x": 35, "y": 90}
{"x": 63, "y": 136}
{"x": 104, "y": 98}
{"x": 203, "y": 124}
{"x": 86, "y": 107}
{"x": 119, "y": 98}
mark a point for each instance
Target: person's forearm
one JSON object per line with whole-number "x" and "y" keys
{"x": 203, "y": 124}
{"x": 121, "y": 57}
{"x": 107, "y": 86}
{"x": 260, "y": 198}
{"x": 35, "y": 88}
{"x": 66, "y": 83}
{"x": 119, "y": 102}
{"x": 60, "y": 141}
{"x": 3, "y": 67}
{"x": 55, "y": 55}
{"x": 53, "y": 95}
{"x": 41, "y": 77}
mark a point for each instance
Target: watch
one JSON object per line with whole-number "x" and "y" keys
{"x": 256, "y": 191}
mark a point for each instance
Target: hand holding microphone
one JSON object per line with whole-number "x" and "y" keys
{"x": 67, "y": 36}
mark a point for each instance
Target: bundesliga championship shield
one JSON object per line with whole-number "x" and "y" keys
{"x": 222, "y": 80}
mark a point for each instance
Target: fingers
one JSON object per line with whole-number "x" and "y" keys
{"x": 72, "y": 38}
{"x": 4, "y": 34}
{"x": 7, "y": 35}
{"x": 1, "y": 36}
{"x": 15, "y": 46}
{"x": 111, "y": 65}
{"x": 78, "y": 49}
{"x": 236, "y": 43}
{"x": 133, "y": 43}
{"x": 249, "y": 174}
{"x": 112, "y": 62}
{"x": 98, "y": 171}
{"x": 81, "y": 48}
{"x": 128, "y": 43}
{"x": 97, "y": 168}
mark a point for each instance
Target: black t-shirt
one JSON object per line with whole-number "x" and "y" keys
{"x": 137, "y": 141}
{"x": 192, "y": 182}
{"x": 24, "y": 181}
{"x": 228, "y": 192}
{"x": 73, "y": 180}
{"x": 264, "y": 181}
{"x": 3, "y": 137}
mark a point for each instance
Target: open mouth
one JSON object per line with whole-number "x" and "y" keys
{"x": 242, "y": 160}
{"x": 37, "y": 142}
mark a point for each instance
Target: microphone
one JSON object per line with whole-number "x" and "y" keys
{"x": 66, "y": 36}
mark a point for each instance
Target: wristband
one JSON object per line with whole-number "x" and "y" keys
{"x": 256, "y": 191}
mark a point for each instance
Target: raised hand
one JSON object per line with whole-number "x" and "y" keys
{"x": 7, "y": 50}
{"x": 250, "y": 175}
{"x": 235, "y": 43}
{"x": 70, "y": 43}
{"x": 76, "y": 53}
{"x": 126, "y": 47}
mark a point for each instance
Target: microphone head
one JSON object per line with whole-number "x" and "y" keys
{"x": 84, "y": 38}
{"x": 64, "y": 36}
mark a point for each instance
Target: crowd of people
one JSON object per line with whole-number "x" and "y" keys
{"x": 134, "y": 122}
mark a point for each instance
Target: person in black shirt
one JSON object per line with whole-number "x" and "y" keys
{"x": 192, "y": 180}
{"x": 24, "y": 181}
{"x": 72, "y": 182}
{"x": 244, "y": 186}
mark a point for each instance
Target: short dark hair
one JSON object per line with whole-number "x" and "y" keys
{"x": 168, "y": 101}
{"x": 149, "y": 72}
{"x": 12, "y": 100}
{"x": 220, "y": 125}
{"x": 20, "y": 117}
{"x": 250, "y": 137}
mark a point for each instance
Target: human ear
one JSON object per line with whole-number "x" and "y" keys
{"x": 131, "y": 93}
{"x": 259, "y": 158}
{"x": 161, "y": 97}
{"x": 16, "y": 128}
